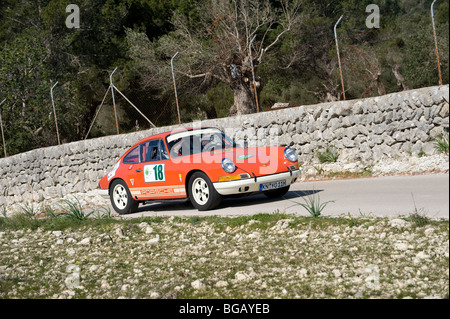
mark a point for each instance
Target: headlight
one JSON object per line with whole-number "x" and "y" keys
{"x": 228, "y": 165}
{"x": 290, "y": 154}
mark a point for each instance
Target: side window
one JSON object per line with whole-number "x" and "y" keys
{"x": 132, "y": 157}
{"x": 163, "y": 150}
{"x": 154, "y": 151}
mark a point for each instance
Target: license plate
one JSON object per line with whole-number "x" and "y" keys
{"x": 272, "y": 185}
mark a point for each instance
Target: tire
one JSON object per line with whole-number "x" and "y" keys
{"x": 121, "y": 199}
{"x": 202, "y": 193}
{"x": 277, "y": 192}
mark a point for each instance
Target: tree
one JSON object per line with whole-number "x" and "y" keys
{"x": 215, "y": 46}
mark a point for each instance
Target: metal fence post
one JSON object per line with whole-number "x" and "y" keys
{"x": 339, "y": 58}
{"x": 114, "y": 101}
{"x": 175, "y": 88}
{"x": 253, "y": 72}
{"x": 435, "y": 43}
{"x": 54, "y": 112}
{"x": 1, "y": 126}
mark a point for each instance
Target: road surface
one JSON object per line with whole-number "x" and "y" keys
{"x": 386, "y": 196}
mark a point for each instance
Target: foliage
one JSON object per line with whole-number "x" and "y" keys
{"x": 29, "y": 210}
{"x": 214, "y": 48}
{"x": 329, "y": 155}
{"x": 74, "y": 210}
{"x": 140, "y": 37}
{"x": 312, "y": 204}
{"x": 418, "y": 219}
{"x": 442, "y": 143}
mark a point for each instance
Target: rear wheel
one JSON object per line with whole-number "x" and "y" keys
{"x": 277, "y": 192}
{"x": 202, "y": 193}
{"x": 121, "y": 199}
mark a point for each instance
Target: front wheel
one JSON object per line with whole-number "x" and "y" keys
{"x": 202, "y": 193}
{"x": 121, "y": 199}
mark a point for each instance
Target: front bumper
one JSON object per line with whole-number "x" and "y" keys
{"x": 249, "y": 185}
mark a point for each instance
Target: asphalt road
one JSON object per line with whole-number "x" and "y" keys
{"x": 386, "y": 196}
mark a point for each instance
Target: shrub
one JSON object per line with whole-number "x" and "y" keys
{"x": 330, "y": 155}
{"x": 441, "y": 143}
{"x": 312, "y": 204}
{"x": 74, "y": 210}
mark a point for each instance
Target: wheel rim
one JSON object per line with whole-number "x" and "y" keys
{"x": 200, "y": 191}
{"x": 120, "y": 196}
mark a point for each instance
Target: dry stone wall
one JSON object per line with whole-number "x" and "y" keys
{"x": 367, "y": 130}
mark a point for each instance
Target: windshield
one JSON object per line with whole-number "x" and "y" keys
{"x": 198, "y": 141}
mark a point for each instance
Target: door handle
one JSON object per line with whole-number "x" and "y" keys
{"x": 138, "y": 170}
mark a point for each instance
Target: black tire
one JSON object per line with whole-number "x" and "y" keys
{"x": 277, "y": 192}
{"x": 121, "y": 199}
{"x": 202, "y": 193}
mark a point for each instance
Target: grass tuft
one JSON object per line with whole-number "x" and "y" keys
{"x": 74, "y": 210}
{"x": 312, "y": 204}
{"x": 329, "y": 155}
{"x": 442, "y": 143}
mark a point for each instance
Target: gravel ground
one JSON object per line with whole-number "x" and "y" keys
{"x": 260, "y": 256}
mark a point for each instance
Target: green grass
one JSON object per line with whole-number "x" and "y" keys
{"x": 29, "y": 210}
{"x": 442, "y": 143}
{"x": 329, "y": 155}
{"x": 312, "y": 204}
{"x": 418, "y": 219}
{"x": 20, "y": 221}
{"x": 263, "y": 221}
{"x": 74, "y": 210}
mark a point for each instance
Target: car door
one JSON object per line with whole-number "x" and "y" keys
{"x": 156, "y": 178}
{"x": 132, "y": 168}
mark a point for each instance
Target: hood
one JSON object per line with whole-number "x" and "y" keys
{"x": 257, "y": 160}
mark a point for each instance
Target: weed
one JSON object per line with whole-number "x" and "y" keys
{"x": 74, "y": 210}
{"x": 103, "y": 213}
{"x": 49, "y": 211}
{"x": 330, "y": 155}
{"x": 352, "y": 222}
{"x": 29, "y": 210}
{"x": 442, "y": 143}
{"x": 421, "y": 153}
{"x": 195, "y": 220}
{"x": 313, "y": 204}
{"x": 3, "y": 210}
{"x": 418, "y": 219}
{"x": 366, "y": 215}
{"x": 319, "y": 170}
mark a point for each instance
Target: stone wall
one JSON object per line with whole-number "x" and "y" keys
{"x": 368, "y": 130}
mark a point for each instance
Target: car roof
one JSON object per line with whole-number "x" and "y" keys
{"x": 164, "y": 134}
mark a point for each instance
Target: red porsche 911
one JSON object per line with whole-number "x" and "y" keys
{"x": 202, "y": 164}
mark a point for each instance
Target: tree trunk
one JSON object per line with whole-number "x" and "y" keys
{"x": 241, "y": 82}
{"x": 244, "y": 100}
{"x": 400, "y": 80}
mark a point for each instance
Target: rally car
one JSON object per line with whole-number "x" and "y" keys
{"x": 201, "y": 164}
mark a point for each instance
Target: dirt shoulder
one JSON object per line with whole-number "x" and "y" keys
{"x": 259, "y": 256}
